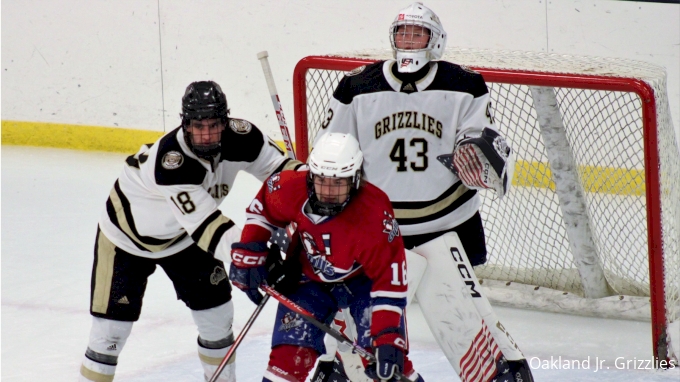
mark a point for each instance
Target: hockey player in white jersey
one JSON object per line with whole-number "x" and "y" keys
{"x": 163, "y": 210}
{"x": 430, "y": 142}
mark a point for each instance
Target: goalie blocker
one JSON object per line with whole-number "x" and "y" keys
{"x": 482, "y": 162}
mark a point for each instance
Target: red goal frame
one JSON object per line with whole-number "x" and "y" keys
{"x": 650, "y": 142}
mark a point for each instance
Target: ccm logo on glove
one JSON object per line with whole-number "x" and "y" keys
{"x": 247, "y": 259}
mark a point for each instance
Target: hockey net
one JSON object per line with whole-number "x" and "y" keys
{"x": 607, "y": 145}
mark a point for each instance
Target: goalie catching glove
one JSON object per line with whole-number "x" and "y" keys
{"x": 482, "y": 162}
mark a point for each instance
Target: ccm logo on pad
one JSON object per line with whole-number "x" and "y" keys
{"x": 465, "y": 272}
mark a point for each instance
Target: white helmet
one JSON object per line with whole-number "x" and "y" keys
{"x": 411, "y": 60}
{"x": 335, "y": 155}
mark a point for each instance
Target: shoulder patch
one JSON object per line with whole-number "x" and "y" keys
{"x": 390, "y": 226}
{"x": 355, "y": 71}
{"x": 240, "y": 126}
{"x": 173, "y": 167}
{"x": 272, "y": 182}
{"x": 172, "y": 160}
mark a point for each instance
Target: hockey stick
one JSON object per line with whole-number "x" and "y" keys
{"x": 327, "y": 329}
{"x": 262, "y": 56}
{"x": 238, "y": 340}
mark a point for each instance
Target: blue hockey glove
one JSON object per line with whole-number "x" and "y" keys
{"x": 389, "y": 354}
{"x": 247, "y": 270}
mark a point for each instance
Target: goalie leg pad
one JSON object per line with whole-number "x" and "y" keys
{"x": 107, "y": 338}
{"x": 456, "y": 311}
{"x": 416, "y": 266}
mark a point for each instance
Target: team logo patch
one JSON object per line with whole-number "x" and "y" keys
{"x": 272, "y": 183}
{"x": 172, "y": 160}
{"x": 289, "y": 321}
{"x": 355, "y": 71}
{"x": 316, "y": 257}
{"x": 240, "y": 126}
{"x": 501, "y": 147}
{"x": 218, "y": 275}
{"x": 406, "y": 62}
{"x": 390, "y": 226}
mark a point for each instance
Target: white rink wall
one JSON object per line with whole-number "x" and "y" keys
{"x": 126, "y": 63}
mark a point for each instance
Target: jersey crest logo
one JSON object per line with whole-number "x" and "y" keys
{"x": 240, "y": 126}
{"x": 355, "y": 71}
{"x": 172, "y": 160}
{"x": 290, "y": 320}
{"x": 272, "y": 182}
{"x": 218, "y": 275}
{"x": 316, "y": 258}
{"x": 390, "y": 226}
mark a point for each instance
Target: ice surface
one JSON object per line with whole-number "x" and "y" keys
{"x": 51, "y": 201}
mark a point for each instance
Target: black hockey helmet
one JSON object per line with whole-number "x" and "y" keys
{"x": 204, "y": 100}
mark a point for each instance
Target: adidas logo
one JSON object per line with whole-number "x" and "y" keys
{"x": 123, "y": 300}
{"x": 112, "y": 347}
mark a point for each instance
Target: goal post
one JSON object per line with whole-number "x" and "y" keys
{"x": 595, "y": 207}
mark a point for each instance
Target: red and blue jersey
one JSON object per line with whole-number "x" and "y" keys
{"x": 362, "y": 239}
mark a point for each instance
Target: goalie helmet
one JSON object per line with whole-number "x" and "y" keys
{"x": 417, "y": 15}
{"x": 335, "y": 169}
{"x": 203, "y": 100}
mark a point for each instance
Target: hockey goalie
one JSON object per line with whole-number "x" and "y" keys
{"x": 406, "y": 112}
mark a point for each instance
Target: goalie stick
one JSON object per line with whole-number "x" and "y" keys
{"x": 332, "y": 332}
{"x": 238, "y": 340}
{"x": 262, "y": 56}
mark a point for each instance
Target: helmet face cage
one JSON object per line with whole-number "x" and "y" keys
{"x": 411, "y": 34}
{"x": 204, "y": 100}
{"x": 205, "y": 136}
{"x": 334, "y": 193}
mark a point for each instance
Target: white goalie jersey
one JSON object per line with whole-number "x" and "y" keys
{"x": 403, "y": 126}
{"x": 167, "y": 198}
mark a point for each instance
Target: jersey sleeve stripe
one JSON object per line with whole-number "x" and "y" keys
{"x": 420, "y": 212}
{"x": 209, "y": 233}
{"x": 394, "y": 302}
{"x": 275, "y": 146}
{"x": 390, "y": 308}
{"x": 377, "y": 295}
{"x": 120, "y": 214}
{"x": 288, "y": 164}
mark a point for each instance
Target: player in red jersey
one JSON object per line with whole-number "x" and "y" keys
{"x": 352, "y": 257}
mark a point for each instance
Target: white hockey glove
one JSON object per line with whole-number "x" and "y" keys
{"x": 482, "y": 162}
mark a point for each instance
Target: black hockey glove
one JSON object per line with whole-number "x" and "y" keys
{"x": 283, "y": 275}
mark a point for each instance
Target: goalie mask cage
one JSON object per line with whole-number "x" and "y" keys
{"x": 595, "y": 206}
